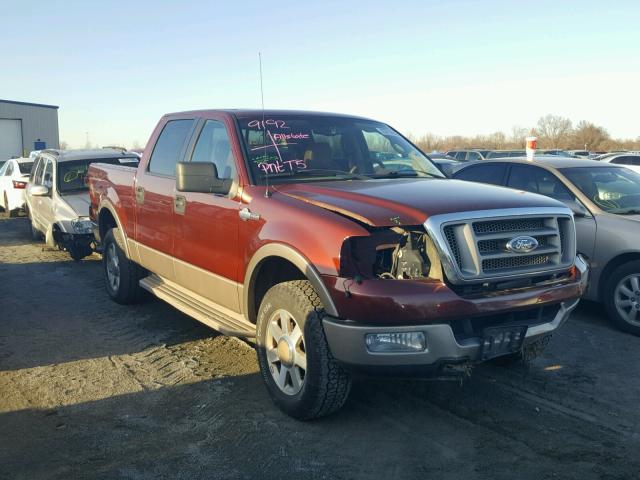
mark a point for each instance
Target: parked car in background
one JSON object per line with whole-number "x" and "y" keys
{"x": 580, "y": 153}
{"x": 557, "y": 153}
{"x": 467, "y": 155}
{"x": 605, "y": 199}
{"x": 14, "y": 175}
{"x": 505, "y": 153}
{"x": 58, "y": 199}
{"x": 445, "y": 163}
{"x": 628, "y": 159}
{"x": 337, "y": 245}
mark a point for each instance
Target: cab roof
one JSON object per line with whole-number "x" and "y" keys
{"x": 258, "y": 113}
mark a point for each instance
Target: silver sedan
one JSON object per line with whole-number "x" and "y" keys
{"x": 605, "y": 199}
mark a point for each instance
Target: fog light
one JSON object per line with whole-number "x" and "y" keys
{"x": 395, "y": 342}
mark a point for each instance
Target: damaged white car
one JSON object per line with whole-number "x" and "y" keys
{"x": 58, "y": 199}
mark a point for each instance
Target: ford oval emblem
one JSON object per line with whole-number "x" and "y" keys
{"x": 522, "y": 244}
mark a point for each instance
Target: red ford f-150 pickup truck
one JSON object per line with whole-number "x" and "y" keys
{"x": 337, "y": 245}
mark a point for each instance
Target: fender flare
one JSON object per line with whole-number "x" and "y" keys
{"x": 299, "y": 261}
{"x": 122, "y": 240}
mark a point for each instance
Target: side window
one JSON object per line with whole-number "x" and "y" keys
{"x": 9, "y": 169}
{"x": 461, "y": 156}
{"x": 624, "y": 160}
{"x": 47, "y": 178}
{"x": 213, "y": 146}
{"x": 492, "y": 173}
{"x": 37, "y": 175}
{"x": 473, "y": 156}
{"x": 168, "y": 147}
{"x": 538, "y": 180}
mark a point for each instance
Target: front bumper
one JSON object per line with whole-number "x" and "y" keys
{"x": 347, "y": 342}
{"x": 346, "y": 338}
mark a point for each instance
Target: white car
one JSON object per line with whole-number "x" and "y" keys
{"x": 628, "y": 159}
{"x": 14, "y": 176}
{"x": 58, "y": 199}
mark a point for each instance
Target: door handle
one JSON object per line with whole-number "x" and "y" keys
{"x": 245, "y": 214}
{"x": 179, "y": 204}
{"x": 140, "y": 195}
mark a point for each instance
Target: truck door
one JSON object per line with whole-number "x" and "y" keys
{"x": 206, "y": 225}
{"x": 155, "y": 191}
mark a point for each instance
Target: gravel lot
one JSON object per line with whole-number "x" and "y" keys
{"x": 91, "y": 389}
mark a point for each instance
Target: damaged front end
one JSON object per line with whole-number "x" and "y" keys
{"x": 397, "y": 253}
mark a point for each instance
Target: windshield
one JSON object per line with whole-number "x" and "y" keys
{"x": 613, "y": 189}
{"x": 303, "y": 147}
{"x": 25, "y": 167}
{"x": 72, "y": 174}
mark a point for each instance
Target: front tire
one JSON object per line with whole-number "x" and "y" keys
{"x": 302, "y": 377}
{"x": 122, "y": 276}
{"x": 622, "y": 297}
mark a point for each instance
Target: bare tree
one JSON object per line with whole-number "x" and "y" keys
{"x": 554, "y": 131}
{"x": 518, "y": 135}
{"x": 589, "y": 136}
{"x": 64, "y": 145}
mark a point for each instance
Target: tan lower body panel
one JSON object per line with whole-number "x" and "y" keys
{"x": 211, "y": 314}
{"x": 215, "y": 288}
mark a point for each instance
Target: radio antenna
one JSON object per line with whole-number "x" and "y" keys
{"x": 267, "y": 193}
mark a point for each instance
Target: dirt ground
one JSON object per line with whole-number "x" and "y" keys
{"x": 91, "y": 389}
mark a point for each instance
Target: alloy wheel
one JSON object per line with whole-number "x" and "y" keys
{"x": 286, "y": 352}
{"x": 113, "y": 267}
{"x": 627, "y": 299}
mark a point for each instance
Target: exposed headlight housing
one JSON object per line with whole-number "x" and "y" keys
{"x": 394, "y": 342}
{"x": 82, "y": 225}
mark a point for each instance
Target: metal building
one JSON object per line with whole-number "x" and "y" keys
{"x": 25, "y": 127}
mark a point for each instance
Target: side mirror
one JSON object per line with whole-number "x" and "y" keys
{"x": 577, "y": 208}
{"x": 39, "y": 191}
{"x": 200, "y": 177}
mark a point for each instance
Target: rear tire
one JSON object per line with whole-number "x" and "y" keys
{"x": 302, "y": 377}
{"x": 11, "y": 213}
{"x": 622, "y": 297}
{"x": 122, "y": 276}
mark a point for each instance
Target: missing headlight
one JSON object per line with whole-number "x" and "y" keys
{"x": 397, "y": 253}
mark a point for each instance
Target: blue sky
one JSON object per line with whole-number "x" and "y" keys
{"x": 454, "y": 67}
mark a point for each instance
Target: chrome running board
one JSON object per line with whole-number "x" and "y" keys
{"x": 211, "y": 314}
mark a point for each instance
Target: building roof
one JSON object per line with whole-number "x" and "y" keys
{"x": 28, "y": 104}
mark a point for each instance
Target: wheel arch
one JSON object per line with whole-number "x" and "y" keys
{"x": 274, "y": 263}
{"x": 107, "y": 218}
{"x": 611, "y": 266}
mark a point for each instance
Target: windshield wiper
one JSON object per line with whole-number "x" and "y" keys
{"x": 318, "y": 172}
{"x": 403, "y": 173}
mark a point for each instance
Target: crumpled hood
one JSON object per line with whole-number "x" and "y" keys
{"x": 79, "y": 203}
{"x": 411, "y": 201}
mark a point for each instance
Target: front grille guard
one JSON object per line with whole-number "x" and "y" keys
{"x": 435, "y": 227}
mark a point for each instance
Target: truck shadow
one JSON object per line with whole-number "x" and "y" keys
{"x": 228, "y": 428}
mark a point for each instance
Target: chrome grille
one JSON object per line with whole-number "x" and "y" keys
{"x": 475, "y": 243}
{"x": 514, "y": 262}
{"x": 487, "y": 247}
{"x": 513, "y": 225}
{"x": 453, "y": 245}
